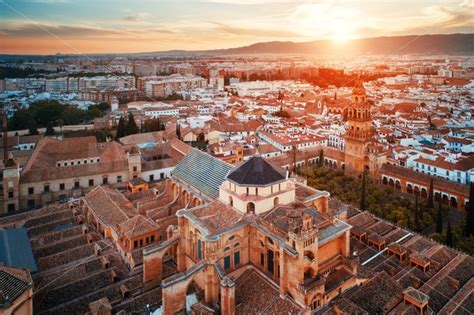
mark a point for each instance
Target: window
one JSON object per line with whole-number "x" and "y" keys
{"x": 152, "y": 238}
{"x": 162, "y": 175}
{"x": 77, "y": 184}
{"x": 11, "y": 194}
{"x": 141, "y": 242}
{"x": 119, "y": 179}
{"x": 135, "y": 244}
{"x": 262, "y": 259}
{"x": 46, "y": 188}
{"x": 199, "y": 249}
{"x": 134, "y": 168}
{"x": 62, "y": 186}
{"x": 31, "y": 203}
{"x": 250, "y": 207}
{"x": 236, "y": 258}
{"x": 105, "y": 181}
{"x": 226, "y": 262}
{"x": 31, "y": 190}
{"x": 91, "y": 182}
{"x": 11, "y": 207}
{"x": 151, "y": 177}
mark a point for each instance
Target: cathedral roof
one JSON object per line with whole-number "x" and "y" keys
{"x": 257, "y": 172}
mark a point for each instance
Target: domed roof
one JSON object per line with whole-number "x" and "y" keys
{"x": 257, "y": 172}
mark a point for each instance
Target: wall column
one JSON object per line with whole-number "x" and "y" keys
{"x": 283, "y": 273}
{"x": 227, "y": 296}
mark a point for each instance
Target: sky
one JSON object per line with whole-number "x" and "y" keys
{"x": 114, "y": 26}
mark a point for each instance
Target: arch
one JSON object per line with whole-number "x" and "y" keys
{"x": 416, "y": 191}
{"x": 316, "y": 301}
{"x": 409, "y": 189}
{"x": 276, "y": 201}
{"x": 250, "y": 207}
{"x": 398, "y": 185}
{"x": 424, "y": 193}
{"x": 445, "y": 199}
{"x": 385, "y": 180}
{"x": 309, "y": 254}
{"x": 437, "y": 196}
{"x": 391, "y": 183}
{"x": 453, "y": 202}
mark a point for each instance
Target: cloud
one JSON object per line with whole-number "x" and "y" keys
{"x": 254, "y": 32}
{"x": 38, "y": 30}
{"x": 136, "y": 17}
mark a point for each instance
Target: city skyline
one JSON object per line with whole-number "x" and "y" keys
{"x": 62, "y": 26}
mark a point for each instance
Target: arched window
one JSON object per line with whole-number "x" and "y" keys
{"x": 250, "y": 207}
{"x": 276, "y": 201}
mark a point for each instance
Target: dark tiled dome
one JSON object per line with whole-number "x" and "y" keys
{"x": 257, "y": 172}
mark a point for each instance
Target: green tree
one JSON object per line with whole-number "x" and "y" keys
{"x": 71, "y": 115}
{"x": 417, "y": 215}
{"x": 49, "y": 130}
{"x": 321, "y": 158}
{"x": 293, "y": 152}
{"x": 449, "y": 235}
{"x": 439, "y": 218}
{"x": 33, "y": 128}
{"x": 178, "y": 131}
{"x": 121, "y": 128}
{"x": 132, "y": 127}
{"x": 46, "y": 111}
{"x": 21, "y": 119}
{"x": 93, "y": 112}
{"x": 103, "y": 135}
{"x": 363, "y": 205}
{"x": 469, "y": 227}
{"x": 430, "y": 201}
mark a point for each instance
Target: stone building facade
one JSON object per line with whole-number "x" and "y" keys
{"x": 251, "y": 221}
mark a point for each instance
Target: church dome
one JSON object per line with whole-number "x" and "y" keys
{"x": 257, "y": 172}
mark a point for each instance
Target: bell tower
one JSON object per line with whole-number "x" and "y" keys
{"x": 360, "y": 131}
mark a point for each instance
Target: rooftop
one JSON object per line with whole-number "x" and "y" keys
{"x": 257, "y": 172}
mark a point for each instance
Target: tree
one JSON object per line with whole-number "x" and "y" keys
{"x": 178, "y": 131}
{"x": 121, "y": 128}
{"x": 469, "y": 229}
{"x": 132, "y": 127}
{"x": 417, "y": 215}
{"x": 49, "y": 130}
{"x": 449, "y": 235}
{"x": 439, "y": 218}
{"x": 21, "y": 119}
{"x": 33, "y": 127}
{"x": 293, "y": 152}
{"x": 363, "y": 192}
{"x": 103, "y": 135}
{"x": 430, "y": 202}
{"x": 321, "y": 158}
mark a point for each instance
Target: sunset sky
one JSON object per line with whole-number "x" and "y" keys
{"x": 99, "y": 26}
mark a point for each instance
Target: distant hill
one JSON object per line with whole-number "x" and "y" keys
{"x": 451, "y": 44}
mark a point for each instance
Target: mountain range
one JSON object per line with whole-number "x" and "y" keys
{"x": 450, "y": 44}
{"x": 437, "y": 44}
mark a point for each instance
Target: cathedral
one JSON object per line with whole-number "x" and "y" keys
{"x": 250, "y": 239}
{"x": 362, "y": 151}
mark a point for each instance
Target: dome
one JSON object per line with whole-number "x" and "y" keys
{"x": 257, "y": 172}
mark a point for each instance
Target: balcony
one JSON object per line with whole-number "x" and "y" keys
{"x": 312, "y": 284}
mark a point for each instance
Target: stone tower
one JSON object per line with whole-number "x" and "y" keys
{"x": 359, "y": 133}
